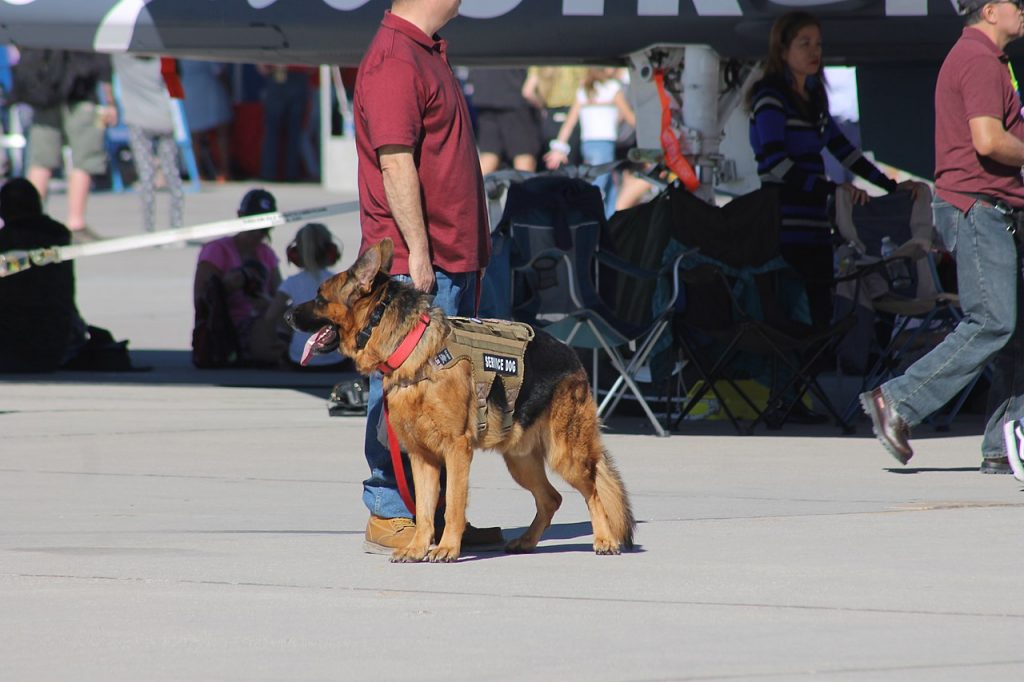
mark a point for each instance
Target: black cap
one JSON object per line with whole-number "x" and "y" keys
{"x": 257, "y": 201}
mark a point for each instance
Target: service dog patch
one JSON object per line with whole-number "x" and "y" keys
{"x": 501, "y": 364}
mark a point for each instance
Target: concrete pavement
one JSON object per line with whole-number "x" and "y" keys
{"x": 185, "y": 525}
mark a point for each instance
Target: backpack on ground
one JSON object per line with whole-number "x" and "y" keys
{"x": 102, "y": 353}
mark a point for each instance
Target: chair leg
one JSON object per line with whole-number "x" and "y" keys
{"x": 620, "y": 367}
{"x": 635, "y": 363}
{"x": 708, "y": 383}
{"x": 800, "y": 381}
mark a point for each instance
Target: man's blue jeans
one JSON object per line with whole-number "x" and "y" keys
{"x": 988, "y": 278}
{"x": 455, "y": 294}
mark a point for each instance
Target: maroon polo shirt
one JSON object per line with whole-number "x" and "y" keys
{"x": 974, "y": 81}
{"x": 406, "y": 94}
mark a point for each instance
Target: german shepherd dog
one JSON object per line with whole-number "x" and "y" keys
{"x": 433, "y": 411}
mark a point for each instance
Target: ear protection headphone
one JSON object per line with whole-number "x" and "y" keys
{"x": 331, "y": 253}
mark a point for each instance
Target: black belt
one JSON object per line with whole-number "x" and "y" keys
{"x": 998, "y": 204}
{"x": 1015, "y": 215}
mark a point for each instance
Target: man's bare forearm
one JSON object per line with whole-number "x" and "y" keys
{"x": 1008, "y": 150}
{"x": 992, "y": 141}
{"x": 402, "y": 187}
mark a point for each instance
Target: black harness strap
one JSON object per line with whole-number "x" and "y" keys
{"x": 363, "y": 337}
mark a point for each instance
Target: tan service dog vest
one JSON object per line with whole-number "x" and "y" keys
{"x": 494, "y": 348}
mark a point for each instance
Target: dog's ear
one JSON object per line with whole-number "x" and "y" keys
{"x": 365, "y": 269}
{"x": 387, "y": 250}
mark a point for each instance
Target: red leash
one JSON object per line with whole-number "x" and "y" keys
{"x": 400, "y": 355}
{"x": 397, "y": 464}
{"x": 395, "y": 361}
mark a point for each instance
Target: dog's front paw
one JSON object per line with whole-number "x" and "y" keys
{"x": 443, "y": 554}
{"x": 409, "y": 555}
{"x": 606, "y": 547}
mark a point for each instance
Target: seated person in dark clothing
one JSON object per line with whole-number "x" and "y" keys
{"x": 38, "y": 318}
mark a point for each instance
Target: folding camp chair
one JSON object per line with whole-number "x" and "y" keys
{"x": 735, "y": 291}
{"x": 906, "y": 291}
{"x": 560, "y": 268}
{"x": 508, "y": 202}
{"x": 793, "y": 350}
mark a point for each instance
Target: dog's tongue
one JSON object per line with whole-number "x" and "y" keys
{"x": 315, "y": 342}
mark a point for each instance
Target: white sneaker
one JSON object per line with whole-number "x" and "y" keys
{"x": 1013, "y": 432}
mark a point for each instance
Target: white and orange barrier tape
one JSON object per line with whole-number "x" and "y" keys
{"x": 13, "y": 262}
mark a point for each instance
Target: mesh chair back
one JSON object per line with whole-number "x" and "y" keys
{"x": 885, "y": 216}
{"x": 555, "y": 224}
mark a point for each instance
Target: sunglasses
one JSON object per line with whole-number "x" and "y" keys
{"x": 1019, "y": 4}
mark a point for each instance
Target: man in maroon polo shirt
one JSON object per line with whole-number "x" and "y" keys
{"x": 979, "y": 161}
{"x": 419, "y": 185}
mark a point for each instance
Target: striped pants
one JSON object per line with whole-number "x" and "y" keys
{"x": 142, "y": 143}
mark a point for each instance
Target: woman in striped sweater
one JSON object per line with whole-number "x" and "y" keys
{"x": 789, "y": 127}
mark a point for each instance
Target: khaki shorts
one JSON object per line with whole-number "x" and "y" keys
{"x": 76, "y": 125}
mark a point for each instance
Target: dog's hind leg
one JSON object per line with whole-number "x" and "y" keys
{"x": 528, "y": 471}
{"x": 458, "y": 457}
{"x": 426, "y": 475}
{"x": 579, "y": 457}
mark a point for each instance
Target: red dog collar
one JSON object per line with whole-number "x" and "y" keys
{"x": 405, "y": 348}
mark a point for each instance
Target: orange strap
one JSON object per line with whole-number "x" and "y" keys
{"x": 674, "y": 159}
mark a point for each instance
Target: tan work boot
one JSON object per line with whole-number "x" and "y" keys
{"x": 383, "y": 536}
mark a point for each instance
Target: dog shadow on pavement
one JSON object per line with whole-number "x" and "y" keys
{"x": 557, "y": 531}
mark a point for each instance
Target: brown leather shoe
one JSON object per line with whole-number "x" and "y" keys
{"x": 384, "y": 536}
{"x": 892, "y": 432}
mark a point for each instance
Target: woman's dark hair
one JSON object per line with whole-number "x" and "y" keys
{"x": 19, "y": 198}
{"x": 784, "y": 30}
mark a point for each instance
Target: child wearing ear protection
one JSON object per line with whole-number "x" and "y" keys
{"x": 314, "y": 252}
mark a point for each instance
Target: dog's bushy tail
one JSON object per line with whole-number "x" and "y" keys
{"x": 612, "y": 493}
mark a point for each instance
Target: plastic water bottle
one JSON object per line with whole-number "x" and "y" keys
{"x": 899, "y": 276}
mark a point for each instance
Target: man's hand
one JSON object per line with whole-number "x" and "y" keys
{"x": 421, "y": 270}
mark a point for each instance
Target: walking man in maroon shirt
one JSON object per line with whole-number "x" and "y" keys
{"x": 419, "y": 185}
{"x": 979, "y": 160}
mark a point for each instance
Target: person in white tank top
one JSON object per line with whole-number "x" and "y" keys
{"x": 599, "y": 108}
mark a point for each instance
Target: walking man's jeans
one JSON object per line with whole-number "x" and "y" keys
{"x": 455, "y": 294}
{"x": 989, "y": 278}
